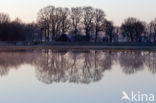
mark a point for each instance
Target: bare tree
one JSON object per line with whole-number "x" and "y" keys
{"x": 133, "y": 29}
{"x": 4, "y": 18}
{"x": 55, "y": 23}
{"x": 99, "y": 18}
{"x": 64, "y": 20}
{"x": 88, "y": 15}
{"x": 152, "y": 29}
{"x": 44, "y": 20}
{"x": 152, "y": 26}
{"x": 76, "y": 17}
{"x": 108, "y": 29}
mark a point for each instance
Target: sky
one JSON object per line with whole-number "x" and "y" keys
{"x": 115, "y": 10}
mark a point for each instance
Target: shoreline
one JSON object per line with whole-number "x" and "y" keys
{"x": 71, "y": 45}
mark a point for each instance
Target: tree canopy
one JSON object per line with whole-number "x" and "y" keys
{"x": 75, "y": 24}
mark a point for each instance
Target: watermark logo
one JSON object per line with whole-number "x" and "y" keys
{"x": 137, "y": 97}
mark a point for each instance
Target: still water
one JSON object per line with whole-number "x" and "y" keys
{"x": 75, "y": 76}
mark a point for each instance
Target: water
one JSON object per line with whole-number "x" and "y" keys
{"x": 75, "y": 76}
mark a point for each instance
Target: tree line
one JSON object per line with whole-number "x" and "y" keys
{"x": 80, "y": 23}
{"x": 76, "y": 24}
{"x": 15, "y": 30}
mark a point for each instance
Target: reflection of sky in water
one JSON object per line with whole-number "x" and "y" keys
{"x": 22, "y": 85}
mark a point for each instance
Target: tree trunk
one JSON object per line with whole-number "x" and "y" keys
{"x": 87, "y": 35}
{"x": 110, "y": 38}
{"x": 132, "y": 39}
{"x": 96, "y": 35}
{"x": 75, "y": 31}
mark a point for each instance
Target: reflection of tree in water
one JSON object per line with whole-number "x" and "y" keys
{"x": 151, "y": 61}
{"x": 77, "y": 66}
{"x": 10, "y": 60}
{"x": 106, "y": 60}
{"x": 74, "y": 66}
{"x": 51, "y": 66}
{"x": 131, "y": 61}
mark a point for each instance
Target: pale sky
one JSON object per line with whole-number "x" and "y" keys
{"x": 116, "y": 10}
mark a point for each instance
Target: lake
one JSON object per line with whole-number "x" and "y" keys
{"x": 77, "y": 76}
